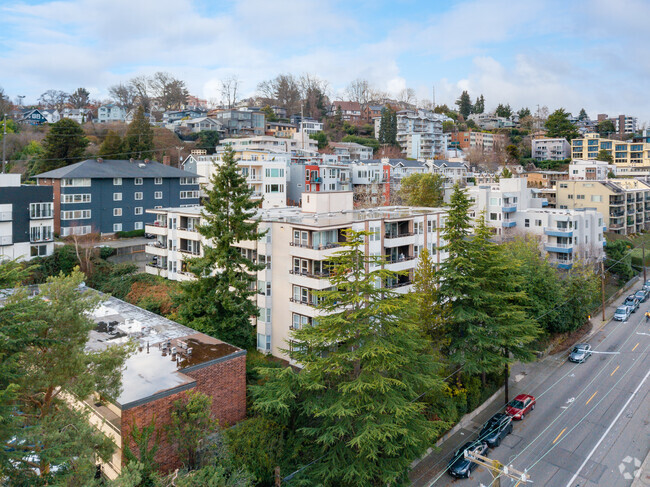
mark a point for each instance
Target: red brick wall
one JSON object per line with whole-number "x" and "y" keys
{"x": 224, "y": 381}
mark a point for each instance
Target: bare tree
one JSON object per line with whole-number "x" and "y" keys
{"x": 229, "y": 89}
{"x": 53, "y": 99}
{"x": 169, "y": 92}
{"x": 5, "y": 103}
{"x": 283, "y": 90}
{"x": 123, "y": 95}
{"x": 80, "y": 98}
{"x": 407, "y": 97}
{"x": 315, "y": 97}
{"x": 142, "y": 92}
{"x": 360, "y": 91}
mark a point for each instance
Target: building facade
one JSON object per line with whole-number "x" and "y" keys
{"x": 240, "y": 122}
{"x": 108, "y": 196}
{"x": 296, "y": 249}
{"x": 623, "y": 124}
{"x": 26, "y": 220}
{"x": 111, "y": 113}
{"x": 590, "y": 170}
{"x": 486, "y": 141}
{"x": 419, "y": 133}
{"x": 351, "y": 151}
{"x": 544, "y": 149}
{"x": 623, "y": 153}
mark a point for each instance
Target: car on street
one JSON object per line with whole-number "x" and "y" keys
{"x": 520, "y": 406}
{"x": 459, "y": 466}
{"x": 496, "y": 429}
{"x": 632, "y": 302}
{"x": 580, "y": 352}
{"x": 642, "y": 295}
{"x": 622, "y": 313}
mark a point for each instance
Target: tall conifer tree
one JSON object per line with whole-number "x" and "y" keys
{"x": 138, "y": 140}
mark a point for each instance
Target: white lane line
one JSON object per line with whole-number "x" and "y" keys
{"x": 607, "y": 431}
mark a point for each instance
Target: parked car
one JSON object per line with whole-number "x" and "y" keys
{"x": 642, "y": 295}
{"x": 647, "y": 283}
{"x": 622, "y": 313}
{"x": 459, "y": 466}
{"x": 632, "y": 302}
{"x": 496, "y": 429}
{"x": 580, "y": 352}
{"x": 520, "y": 406}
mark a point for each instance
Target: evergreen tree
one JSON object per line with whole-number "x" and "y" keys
{"x": 558, "y": 125}
{"x": 524, "y": 112}
{"x": 63, "y": 145}
{"x": 503, "y": 111}
{"x": 220, "y": 301}
{"x": 363, "y": 366}
{"x": 111, "y": 148}
{"x": 479, "y": 106}
{"x": 605, "y": 155}
{"x": 388, "y": 127}
{"x": 583, "y": 115}
{"x": 138, "y": 141}
{"x": 464, "y": 104}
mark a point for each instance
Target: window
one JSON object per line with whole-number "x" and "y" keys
{"x": 538, "y": 223}
{"x": 137, "y": 210}
{"x": 75, "y": 198}
{"x": 564, "y": 185}
{"x": 75, "y": 182}
{"x": 275, "y": 188}
{"x": 40, "y": 234}
{"x": 75, "y": 215}
{"x": 418, "y": 228}
{"x": 157, "y": 181}
{"x": 77, "y": 230}
{"x": 580, "y": 196}
{"x": 570, "y": 196}
{"x": 374, "y": 233}
{"x": 117, "y": 211}
{"x": 300, "y": 321}
{"x": 41, "y": 210}
{"x": 264, "y": 342}
{"x": 186, "y": 195}
{"x": 431, "y": 226}
{"x": 494, "y": 216}
{"x": 138, "y": 226}
{"x": 596, "y": 198}
{"x": 38, "y": 250}
{"x": 117, "y": 227}
{"x": 187, "y": 181}
{"x": 117, "y": 181}
{"x": 117, "y": 196}
{"x": 157, "y": 195}
{"x": 527, "y": 222}
{"x": 138, "y": 195}
{"x": 274, "y": 173}
{"x": 433, "y": 249}
{"x": 417, "y": 250}
{"x": 137, "y": 181}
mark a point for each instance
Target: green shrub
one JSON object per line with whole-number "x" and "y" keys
{"x": 130, "y": 234}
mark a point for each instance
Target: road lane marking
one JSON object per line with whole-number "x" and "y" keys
{"x": 635, "y": 346}
{"x": 558, "y": 436}
{"x": 617, "y": 367}
{"x": 592, "y": 396}
{"x": 591, "y": 453}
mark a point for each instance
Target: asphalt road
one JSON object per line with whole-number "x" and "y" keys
{"x": 588, "y": 429}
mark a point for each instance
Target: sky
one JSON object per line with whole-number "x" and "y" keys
{"x": 573, "y": 54}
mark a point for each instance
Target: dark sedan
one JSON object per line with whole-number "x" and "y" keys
{"x": 496, "y": 429}
{"x": 642, "y": 295}
{"x": 459, "y": 466}
{"x": 632, "y": 302}
{"x": 580, "y": 353}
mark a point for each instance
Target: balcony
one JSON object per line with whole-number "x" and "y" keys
{"x": 616, "y": 213}
{"x": 156, "y": 270}
{"x": 306, "y": 302}
{"x": 559, "y": 248}
{"x": 509, "y": 209}
{"x": 508, "y": 223}
{"x": 616, "y": 201}
{"x": 558, "y": 232}
{"x": 561, "y": 264}
{"x": 6, "y": 216}
{"x": 6, "y": 240}
{"x": 398, "y": 284}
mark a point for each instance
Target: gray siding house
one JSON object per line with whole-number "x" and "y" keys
{"x": 108, "y": 196}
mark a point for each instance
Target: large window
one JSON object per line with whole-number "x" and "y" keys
{"x": 38, "y": 250}
{"x": 41, "y": 210}
{"x": 76, "y": 198}
{"x": 157, "y": 181}
{"x": 157, "y": 195}
{"x": 138, "y": 195}
{"x": 138, "y": 226}
{"x": 275, "y": 188}
{"x": 186, "y": 195}
{"x": 137, "y": 210}
{"x": 40, "y": 234}
{"x": 274, "y": 173}
{"x": 117, "y": 181}
{"x": 300, "y": 321}
{"x": 75, "y": 182}
{"x": 117, "y": 196}
{"x": 80, "y": 230}
{"x": 138, "y": 181}
{"x": 117, "y": 227}
{"x": 188, "y": 181}
{"x": 75, "y": 215}
{"x": 117, "y": 211}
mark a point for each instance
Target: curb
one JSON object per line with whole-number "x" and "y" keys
{"x": 643, "y": 479}
{"x": 464, "y": 421}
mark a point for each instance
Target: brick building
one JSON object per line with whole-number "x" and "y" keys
{"x": 170, "y": 360}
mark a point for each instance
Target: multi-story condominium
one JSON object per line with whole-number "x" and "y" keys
{"x": 419, "y": 133}
{"x": 486, "y": 141}
{"x": 314, "y": 177}
{"x": 107, "y": 196}
{"x": 267, "y": 142}
{"x": 590, "y": 170}
{"x": 545, "y": 179}
{"x": 351, "y": 151}
{"x": 240, "y": 122}
{"x": 296, "y": 249}
{"x": 544, "y": 149}
{"x": 371, "y": 182}
{"x": 310, "y": 126}
{"x": 489, "y": 121}
{"x": 111, "y": 113}
{"x": 26, "y": 219}
{"x": 265, "y": 171}
{"x": 624, "y": 203}
{"x": 625, "y": 153}
{"x": 452, "y": 172}
{"x": 623, "y": 124}
{"x": 513, "y": 209}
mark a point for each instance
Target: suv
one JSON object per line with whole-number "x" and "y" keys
{"x": 642, "y": 295}
{"x": 496, "y": 429}
{"x": 459, "y": 466}
{"x": 632, "y": 302}
{"x": 622, "y": 313}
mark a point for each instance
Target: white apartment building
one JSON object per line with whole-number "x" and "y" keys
{"x": 309, "y": 126}
{"x": 513, "y": 209}
{"x": 26, "y": 219}
{"x": 265, "y": 171}
{"x": 582, "y": 169}
{"x": 452, "y": 172}
{"x": 544, "y": 149}
{"x": 351, "y": 151}
{"x": 296, "y": 249}
{"x": 419, "y": 133}
{"x": 268, "y": 142}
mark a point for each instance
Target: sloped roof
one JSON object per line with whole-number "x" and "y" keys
{"x": 114, "y": 168}
{"x": 351, "y": 106}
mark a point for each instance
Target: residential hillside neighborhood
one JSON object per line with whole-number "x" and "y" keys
{"x": 273, "y": 277}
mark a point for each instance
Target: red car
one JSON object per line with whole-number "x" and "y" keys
{"x": 520, "y": 406}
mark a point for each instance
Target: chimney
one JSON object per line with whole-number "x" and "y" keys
{"x": 100, "y": 160}
{"x": 166, "y": 160}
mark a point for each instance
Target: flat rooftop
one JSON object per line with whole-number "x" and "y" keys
{"x": 294, "y": 214}
{"x": 166, "y": 350}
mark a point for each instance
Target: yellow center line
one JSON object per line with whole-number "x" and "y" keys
{"x": 635, "y": 347}
{"x": 614, "y": 370}
{"x": 592, "y": 396}
{"x": 558, "y": 436}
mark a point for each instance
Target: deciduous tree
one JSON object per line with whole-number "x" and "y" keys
{"x": 423, "y": 189}
{"x": 80, "y": 98}
{"x": 53, "y": 99}
{"x": 604, "y": 155}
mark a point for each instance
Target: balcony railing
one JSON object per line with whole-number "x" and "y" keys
{"x": 398, "y": 235}
{"x": 509, "y": 208}
{"x": 326, "y": 246}
{"x": 402, "y": 258}
{"x": 190, "y": 252}
{"x": 314, "y": 275}
{"x": 303, "y": 301}
{"x": 395, "y": 285}
{"x": 558, "y": 232}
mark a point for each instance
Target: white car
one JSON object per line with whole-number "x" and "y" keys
{"x": 622, "y": 313}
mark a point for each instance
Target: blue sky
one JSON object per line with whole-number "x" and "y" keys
{"x": 569, "y": 54}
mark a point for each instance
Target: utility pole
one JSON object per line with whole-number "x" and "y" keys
{"x": 278, "y": 478}
{"x": 645, "y": 278}
{"x": 497, "y": 469}
{"x": 602, "y": 284}
{"x": 179, "y": 149}
{"x": 4, "y": 145}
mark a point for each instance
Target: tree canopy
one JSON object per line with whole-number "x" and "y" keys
{"x": 464, "y": 104}
{"x": 558, "y": 125}
{"x": 138, "y": 141}
{"x": 423, "y": 189}
{"x": 64, "y": 144}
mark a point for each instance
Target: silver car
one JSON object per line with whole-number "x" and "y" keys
{"x": 580, "y": 353}
{"x": 622, "y": 313}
